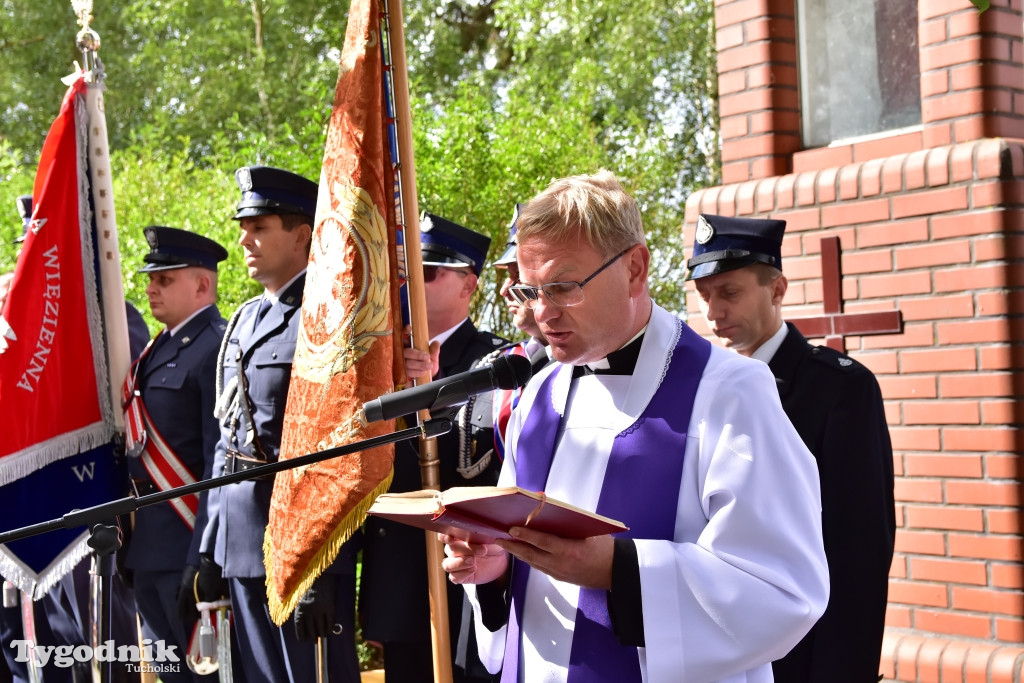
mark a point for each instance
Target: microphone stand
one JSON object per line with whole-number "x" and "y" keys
{"x": 105, "y": 539}
{"x": 105, "y": 511}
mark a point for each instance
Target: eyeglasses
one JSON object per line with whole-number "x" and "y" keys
{"x": 506, "y": 293}
{"x": 559, "y": 293}
{"x": 430, "y": 272}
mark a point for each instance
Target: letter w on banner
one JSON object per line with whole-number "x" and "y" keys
{"x": 347, "y": 342}
{"x": 56, "y": 449}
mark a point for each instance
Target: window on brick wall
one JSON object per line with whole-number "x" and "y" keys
{"x": 859, "y": 69}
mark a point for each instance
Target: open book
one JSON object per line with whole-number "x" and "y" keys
{"x": 480, "y": 514}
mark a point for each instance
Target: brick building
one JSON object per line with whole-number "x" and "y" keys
{"x": 927, "y": 204}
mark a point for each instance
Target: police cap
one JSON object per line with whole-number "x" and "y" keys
{"x": 445, "y": 243}
{"x": 268, "y": 190}
{"x": 508, "y": 257}
{"x": 172, "y": 248}
{"x": 724, "y": 243}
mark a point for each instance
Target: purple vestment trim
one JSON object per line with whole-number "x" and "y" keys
{"x": 645, "y": 464}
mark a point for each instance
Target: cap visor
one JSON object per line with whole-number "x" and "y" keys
{"x": 715, "y": 267}
{"x": 251, "y": 211}
{"x": 508, "y": 256}
{"x": 156, "y": 267}
{"x": 431, "y": 258}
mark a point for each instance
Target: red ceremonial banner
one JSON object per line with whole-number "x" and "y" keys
{"x": 50, "y": 325}
{"x": 345, "y": 351}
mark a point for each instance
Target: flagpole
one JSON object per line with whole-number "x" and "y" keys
{"x": 430, "y": 472}
{"x": 111, "y": 285}
{"x": 104, "y": 540}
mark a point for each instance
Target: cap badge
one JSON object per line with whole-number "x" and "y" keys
{"x": 152, "y": 239}
{"x": 426, "y": 225}
{"x": 704, "y": 231}
{"x": 244, "y": 179}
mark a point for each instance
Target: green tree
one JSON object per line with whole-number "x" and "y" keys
{"x": 506, "y": 96}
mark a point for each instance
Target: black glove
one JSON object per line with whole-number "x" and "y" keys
{"x": 314, "y": 615}
{"x": 186, "y": 597}
{"x": 210, "y": 584}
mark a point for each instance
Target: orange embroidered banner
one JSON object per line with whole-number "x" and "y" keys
{"x": 347, "y": 343}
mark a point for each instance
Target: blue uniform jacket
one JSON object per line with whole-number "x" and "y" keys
{"x": 239, "y": 512}
{"x": 177, "y": 385}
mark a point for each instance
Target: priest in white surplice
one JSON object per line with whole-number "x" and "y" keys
{"x": 723, "y": 568}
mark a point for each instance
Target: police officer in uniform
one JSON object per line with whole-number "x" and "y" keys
{"x": 275, "y": 217}
{"x": 393, "y": 591}
{"x": 171, "y": 398}
{"x": 836, "y": 406}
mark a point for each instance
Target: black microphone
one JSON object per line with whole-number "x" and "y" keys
{"x": 506, "y": 372}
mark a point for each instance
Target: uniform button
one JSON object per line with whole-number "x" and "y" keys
{"x": 273, "y": 355}
{"x": 382, "y": 532}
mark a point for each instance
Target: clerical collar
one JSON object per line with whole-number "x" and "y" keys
{"x": 620, "y": 362}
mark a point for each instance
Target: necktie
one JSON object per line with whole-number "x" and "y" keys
{"x": 160, "y": 341}
{"x": 265, "y": 305}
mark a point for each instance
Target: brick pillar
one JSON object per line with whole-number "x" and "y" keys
{"x": 759, "y": 103}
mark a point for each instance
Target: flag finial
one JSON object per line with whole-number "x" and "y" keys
{"x": 87, "y": 40}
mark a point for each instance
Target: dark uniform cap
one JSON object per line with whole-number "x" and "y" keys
{"x": 508, "y": 256}
{"x": 449, "y": 244}
{"x": 172, "y": 248}
{"x": 24, "y": 203}
{"x": 724, "y": 243}
{"x": 268, "y": 190}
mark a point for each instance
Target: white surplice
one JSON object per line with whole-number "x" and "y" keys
{"x": 744, "y": 577}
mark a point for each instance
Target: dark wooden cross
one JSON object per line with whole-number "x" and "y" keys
{"x": 835, "y": 325}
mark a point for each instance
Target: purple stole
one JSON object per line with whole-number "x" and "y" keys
{"x": 645, "y": 466}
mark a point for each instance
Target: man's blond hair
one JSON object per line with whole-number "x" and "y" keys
{"x": 594, "y": 208}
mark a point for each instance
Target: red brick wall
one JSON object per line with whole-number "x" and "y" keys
{"x": 931, "y": 222}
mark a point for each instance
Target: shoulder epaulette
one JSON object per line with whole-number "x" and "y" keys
{"x": 835, "y": 359}
{"x": 505, "y": 348}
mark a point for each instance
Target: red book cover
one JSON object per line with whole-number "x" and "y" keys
{"x": 481, "y": 514}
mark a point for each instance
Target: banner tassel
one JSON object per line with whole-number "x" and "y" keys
{"x": 281, "y": 607}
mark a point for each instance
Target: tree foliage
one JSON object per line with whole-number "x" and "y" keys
{"x": 506, "y": 95}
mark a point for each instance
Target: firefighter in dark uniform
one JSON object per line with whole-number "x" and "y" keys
{"x": 172, "y": 431}
{"x": 836, "y": 406}
{"x": 275, "y": 217}
{"x": 393, "y": 592}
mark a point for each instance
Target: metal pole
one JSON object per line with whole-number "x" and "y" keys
{"x": 429, "y": 462}
{"x": 322, "y": 676}
{"x": 28, "y": 624}
{"x": 104, "y": 541}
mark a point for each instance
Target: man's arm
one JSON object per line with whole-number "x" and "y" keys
{"x": 206, "y": 374}
{"x": 858, "y": 520}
